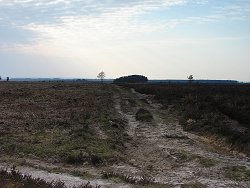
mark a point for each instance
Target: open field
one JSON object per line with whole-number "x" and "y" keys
{"x": 116, "y": 137}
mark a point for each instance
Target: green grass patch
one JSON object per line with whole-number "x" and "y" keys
{"x": 207, "y": 162}
{"x": 143, "y": 115}
{"x": 238, "y": 173}
{"x": 183, "y": 156}
{"x": 193, "y": 185}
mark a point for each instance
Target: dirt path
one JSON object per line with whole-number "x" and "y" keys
{"x": 162, "y": 150}
{"x": 69, "y": 180}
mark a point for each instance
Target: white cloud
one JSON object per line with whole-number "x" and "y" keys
{"x": 106, "y": 26}
{"x": 109, "y": 23}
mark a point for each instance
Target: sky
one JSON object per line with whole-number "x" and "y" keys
{"x": 161, "y": 39}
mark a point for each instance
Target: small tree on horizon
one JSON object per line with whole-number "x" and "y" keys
{"x": 101, "y": 76}
{"x": 190, "y": 78}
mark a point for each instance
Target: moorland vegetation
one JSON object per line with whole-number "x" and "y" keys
{"x": 70, "y": 123}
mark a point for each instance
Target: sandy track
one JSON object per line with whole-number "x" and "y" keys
{"x": 163, "y": 150}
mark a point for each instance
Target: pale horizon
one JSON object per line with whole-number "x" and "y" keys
{"x": 161, "y": 39}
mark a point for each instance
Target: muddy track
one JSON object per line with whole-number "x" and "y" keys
{"x": 162, "y": 149}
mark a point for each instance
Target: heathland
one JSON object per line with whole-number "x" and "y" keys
{"x": 137, "y": 135}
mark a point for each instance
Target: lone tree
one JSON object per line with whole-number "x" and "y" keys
{"x": 101, "y": 76}
{"x": 190, "y": 78}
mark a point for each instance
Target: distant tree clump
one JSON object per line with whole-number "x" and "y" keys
{"x": 131, "y": 79}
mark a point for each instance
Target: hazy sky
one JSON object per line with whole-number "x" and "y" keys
{"x": 162, "y": 39}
